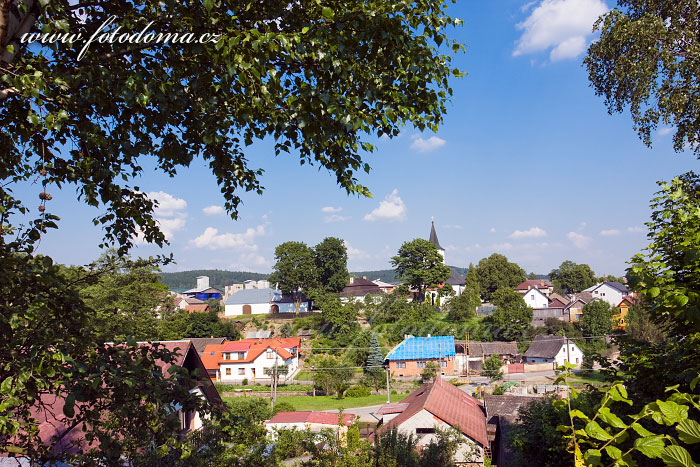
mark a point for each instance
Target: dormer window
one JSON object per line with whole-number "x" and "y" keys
{"x": 269, "y": 353}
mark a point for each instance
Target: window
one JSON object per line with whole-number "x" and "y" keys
{"x": 443, "y": 364}
{"x": 212, "y": 354}
{"x": 572, "y": 349}
{"x": 241, "y": 355}
{"x": 420, "y": 431}
{"x": 400, "y": 364}
{"x": 241, "y": 371}
{"x": 576, "y": 359}
{"x": 269, "y": 353}
{"x": 228, "y": 371}
{"x": 420, "y": 364}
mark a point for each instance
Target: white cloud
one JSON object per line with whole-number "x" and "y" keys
{"x": 355, "y": 254}
{"x": 169, "y": 213}
{"x": 664, "y": 131}
{"x": 635, "y": 229}
{"x": 503, "y": 246}
{"x": 579, "y": 240}
{"x": 426, "y": 145}
{"x": 214, "y": 210}
{"x": 213, "y": 240}
{"x": 560, "y": 25}
{"x": 330, "y": 209}
{"x": 610, "y": 232}
{"x": 493, "y": 230}
{"x": 391, "y": 208}
{"x": 168, "y": 205}
{"x": 527, "y": 6}
{"x": 532, "y": 232}
{"x": 335, "y": 218}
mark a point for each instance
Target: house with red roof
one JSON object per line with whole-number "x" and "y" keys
{"x": 543, "y": 285}
{"x": 440, "y": 405}
{"x": 65, "y": 435}
{"x": 313, "y": 421}
{"x": 251, "y": 359}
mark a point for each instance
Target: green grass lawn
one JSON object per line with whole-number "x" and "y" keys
{"x": 595, "y": 377}
{"x": 331, "y": 402}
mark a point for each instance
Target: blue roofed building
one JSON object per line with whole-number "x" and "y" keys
{"x": 203, "y": 292}
{"x": 411, "y": 356}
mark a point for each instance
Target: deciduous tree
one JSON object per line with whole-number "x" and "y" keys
{"x": 420, "y": 265}
{"x": 570, "y": 277}
{"x": 512, "y": 316}
{"x": 596, "y": 319}
{"x": 331, "y": 261}
{"x": 495, "y": 272}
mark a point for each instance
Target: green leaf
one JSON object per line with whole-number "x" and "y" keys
{"x": 69, "y": 406}
{"x": 578, "y": 414}
{"x": 327, "y": 13}
{"x": 595, "y": 431}
{"x": 610, "y": 418}
{"x": 654, "y": 292}
{"x": 672, "y": 412}
{"x": 613, "y": 452}
{"x": 650, "y": 446}
{"x": 305, "y": 29}
{"x": 689, "y": 431}
{"x": 676, "y": 456}
{"x": 592, "y": 457}
{"x": 641, "y": 431}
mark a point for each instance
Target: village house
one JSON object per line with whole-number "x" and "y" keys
{"x": 384, "y": 286}
{"x": 64, "y": 436}
{"x": 251, "y": 359}
{"x": 440, "y": 405}
{"x": 611, "y": 292}
{"x": 542, "y": 285}
{"x": 358, "y": 288}
{"x": 535, "y": 298}
{"x": 411, "y": 356}
{"x": 314, "y": 421}
{"x": 553, "y": 349}
{"x": 249, "y": 302}
{"x": 203, "y": 292}
{"x": 620, "y": 313}
{"x": 476, "y": 352}
{"x": 201, "y": 343}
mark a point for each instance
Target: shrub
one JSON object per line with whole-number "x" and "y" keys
{"x": 283, "y": 407}
{"x": 358, "y": 391}
{"x": 244, "y": 382}
{"x": 498, "y": 391}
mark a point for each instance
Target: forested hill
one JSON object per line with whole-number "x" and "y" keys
{"x": 387, "y": 275}
{"x": 217, "y": 278}
{"x": 220, "y": 279}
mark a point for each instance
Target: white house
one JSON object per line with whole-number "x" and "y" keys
{"x": 534, "y": 298}
{"x": 551, "y": 349}
{"x": 250, "y": 302}
{"x": 440, "y": 405}
{"x": 611, "y": 292}
{"x": 251, "y": 359}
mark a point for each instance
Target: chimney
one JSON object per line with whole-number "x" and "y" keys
{"x": 364, "y": 277}
{"x": 352, "y": 279}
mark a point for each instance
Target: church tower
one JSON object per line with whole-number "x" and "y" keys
{"x": 434, "y": 240}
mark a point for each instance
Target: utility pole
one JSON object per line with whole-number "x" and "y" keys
{"x": 388, "y": 391}
{"x": 568, "y": 357}
{"x": 313, "y": 381}
{"x": 466, "y": 350}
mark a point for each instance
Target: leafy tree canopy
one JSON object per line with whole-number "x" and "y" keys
{"x": 647, "y": 60}
{"x": 495, "y": 272}
{"x": 667, "y": 273}
{"x": 318, "y": 80}
{"x": 464, "y": 306}
{"x": 331, "y": 262}
{"x": 420, "y": 265}
{"x": 512, "y": 316}
{"x": 570, "y": 277}
{"x": 596, "y": 319}
{"x": 295, "y": 267}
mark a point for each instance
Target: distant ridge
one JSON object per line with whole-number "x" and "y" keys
{"x": 184, "y": 280}
{"x": 219, "y": 278}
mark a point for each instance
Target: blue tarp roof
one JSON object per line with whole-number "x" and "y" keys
{"x": 423, "y": 348}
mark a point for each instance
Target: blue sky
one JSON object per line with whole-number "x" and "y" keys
{"x": 528, "y": 164}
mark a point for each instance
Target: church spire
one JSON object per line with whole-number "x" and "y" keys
{"x": 433, "y": 237}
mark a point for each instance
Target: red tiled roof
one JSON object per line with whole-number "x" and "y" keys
{"x": 628, "y": 298}
{"x": 556, "y": 303}
{"x": 533, "y": 283}
{"x": 197, "y": 307}
{"x": 394, "y": 407}
{"x": 236, "y": 346}
{"x": 325, "y": 418}
{"x": 449, "y": 404}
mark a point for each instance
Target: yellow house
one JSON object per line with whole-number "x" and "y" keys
{"x": 620, "y": 317}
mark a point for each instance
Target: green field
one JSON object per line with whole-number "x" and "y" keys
{"x": 331, "y": 402}
{"x": 594, "y": 377}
